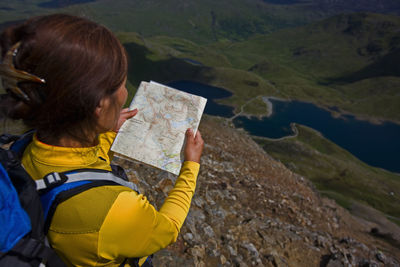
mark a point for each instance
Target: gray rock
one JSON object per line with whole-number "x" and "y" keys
{"x": 209, "y": 232}
{"x": 380, "y": 257}
{"x": 188, "y": 236}
{"x": 275, "y": 259}
{"x": 197, "y": 215}
{"x": 239, "y": 262}
{"x": 198, "y": 201}
{"x": 198, "y": 252}
{"x": 335, "y": 263}
{"x": 231, "y": 250}
{"x": 209, "y": 198}
{"x": 252, "y": 249}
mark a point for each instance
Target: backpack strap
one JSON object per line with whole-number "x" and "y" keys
{"x": 55, "y": 188}
{"x": 34, "y": 249}
{"x": 54, "y": 179}
{"x": 21, "y": 142}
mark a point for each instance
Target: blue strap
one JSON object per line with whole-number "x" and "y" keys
{"x": 14, "y": 221}
{"x": 48, "y": 198}
{"x": 23, "y": 141}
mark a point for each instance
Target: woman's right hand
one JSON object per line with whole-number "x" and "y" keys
{"x": 194, "y": 146}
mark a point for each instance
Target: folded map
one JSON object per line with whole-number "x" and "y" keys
{"x": 155, "y": 136}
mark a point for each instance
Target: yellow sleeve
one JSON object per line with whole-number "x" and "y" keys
{"x": 105, "y": 141}
{"x": 134, "y": 228}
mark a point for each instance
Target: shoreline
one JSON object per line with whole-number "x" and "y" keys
{"x": 337, "y": 114}
{"x": 292, "y": 127}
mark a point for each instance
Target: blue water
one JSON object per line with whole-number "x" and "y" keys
{"x": 192, "y": 61}
{"x": 377, "y": 145}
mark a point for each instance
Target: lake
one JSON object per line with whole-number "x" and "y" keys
{"x": 377, "y": 145}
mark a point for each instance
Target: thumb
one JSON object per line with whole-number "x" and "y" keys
{"x": 132, "y": 113}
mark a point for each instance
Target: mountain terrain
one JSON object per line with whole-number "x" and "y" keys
{"x": 254, "y": 205}
{"x": 288, "y": 49}
{"x": 201, "y": 21}
{"x": 250, "y": 210}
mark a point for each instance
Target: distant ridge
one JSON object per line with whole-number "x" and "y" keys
{"x": 63, "y": 3}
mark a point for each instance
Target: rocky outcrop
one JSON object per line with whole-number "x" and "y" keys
{"x": 250, "y": 210}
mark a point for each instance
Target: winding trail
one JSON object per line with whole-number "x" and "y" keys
{"x": 242, "y": 113}
{"x": 269, "y": 105}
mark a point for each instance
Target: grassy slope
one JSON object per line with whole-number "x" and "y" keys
{"x": 201, "y": 21}
{"x": 336, "y": 172}
{"x": 311, "y": 63}
{"x": 163, "y": 59}
{"x": 322, "y": 62}
{"x": 307, "y": 63}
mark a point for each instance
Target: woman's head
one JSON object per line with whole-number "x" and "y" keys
{"x": 82, "y": 64}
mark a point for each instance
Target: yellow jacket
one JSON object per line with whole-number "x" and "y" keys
{"x": 104, "y": 225}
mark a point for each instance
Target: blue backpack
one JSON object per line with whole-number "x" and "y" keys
{"x": 27, "y": 206}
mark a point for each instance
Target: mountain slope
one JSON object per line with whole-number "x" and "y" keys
{"x": 326, "y": 61}
{"x": 249, "y": 210}
{"x": 203, "y": 21}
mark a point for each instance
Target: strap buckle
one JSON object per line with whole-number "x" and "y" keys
{"x": 54, "y": 179}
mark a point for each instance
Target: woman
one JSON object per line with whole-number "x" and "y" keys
{"x": 65, "y": 76}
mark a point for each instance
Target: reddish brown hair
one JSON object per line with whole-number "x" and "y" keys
{"x": 81, "y": 62}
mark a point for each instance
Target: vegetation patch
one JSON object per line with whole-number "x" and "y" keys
{"x": 335, "y": 172}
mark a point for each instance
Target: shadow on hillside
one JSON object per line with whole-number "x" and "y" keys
{"x": 282, "y": 2}
{"x": 7, "y": 24}
{"x": 141, "y": 68}
{"x": 387, "y": 65}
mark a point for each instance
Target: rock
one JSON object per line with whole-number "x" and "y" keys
{"x": 198, "y": 201}
{"x": 249, "y": 210}
{"x": 321, "y": 241}
{"x": 209, "y": 232}
{"x": 209, "y": 199}
{"x": 222, "y": 259}
{"x": 380, "y": 257}
{"x": 232, "y": 251}
{"x": 198, "y": 252}
{"x": 238, "y": 262}
{"x": 363, "y": 263}
{"x": 252, "y": 249}
{"x": 212, "y": 248}
{"x": 335, "y": 263}
{"x": 197, "y": 215}
{"x": 165, "y": 185}
{"x": 188, "y": 236}
{"x": 275, "y": 259}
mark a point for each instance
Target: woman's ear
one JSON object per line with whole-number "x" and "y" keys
{"x": 101, "y": 107}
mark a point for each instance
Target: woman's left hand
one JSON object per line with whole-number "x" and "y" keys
{"x": 123, "y": 116}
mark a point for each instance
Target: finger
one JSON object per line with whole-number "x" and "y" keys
{"x": 133, "y": 112}
{"x": 198, "y": 136}
{"x": 189, "y": 134}
{"x": 125, "y": 110}
{"x": 129, "y": 114}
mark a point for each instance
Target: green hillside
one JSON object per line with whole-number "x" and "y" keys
{"x": 204, "y": 21}
{"x": 348, "y": 61}
{"x": 327, "y": 62}
{"x": 335, "y": 172}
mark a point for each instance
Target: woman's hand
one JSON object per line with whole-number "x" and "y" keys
{"x": 123, "y": 116}
{"x": 194, "y": 146}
